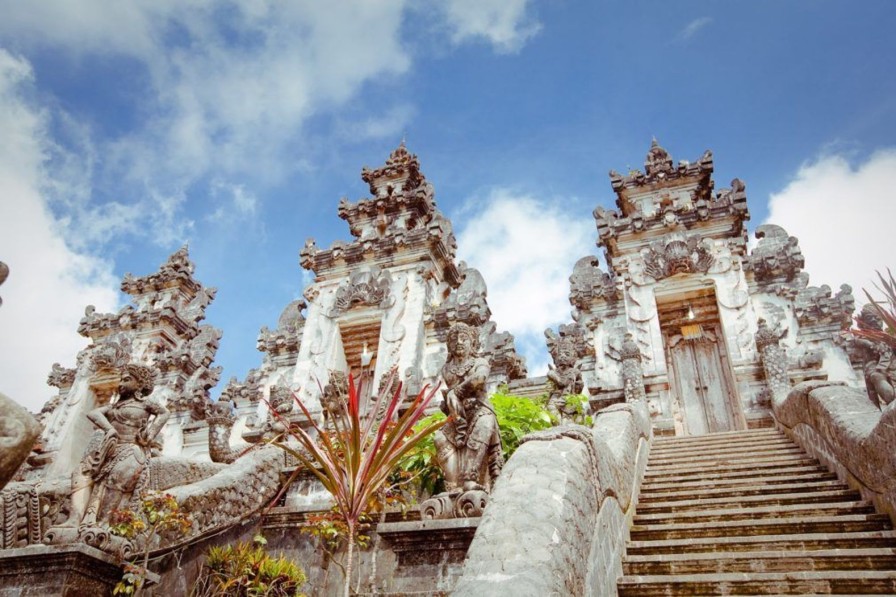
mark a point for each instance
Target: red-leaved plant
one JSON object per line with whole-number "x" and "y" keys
{"x": 885, "y": 309}
{"x": 354, "y": 461}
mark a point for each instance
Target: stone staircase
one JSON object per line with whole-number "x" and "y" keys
{"x": 749, "y": 513}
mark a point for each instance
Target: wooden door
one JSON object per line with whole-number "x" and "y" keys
{"x": 703, "y": 384}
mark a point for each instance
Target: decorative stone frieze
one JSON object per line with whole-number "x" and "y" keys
{"x": 589, "y": 284}
{"x": 673, "y": 256}
{"x": 365, "y": 287}
{"x": 816, "y": 306}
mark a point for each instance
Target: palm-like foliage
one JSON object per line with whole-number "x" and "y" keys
{"x": 885, "y": 309}
{"x": 354, "y": 461}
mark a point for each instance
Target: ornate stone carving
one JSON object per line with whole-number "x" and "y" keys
{"x": 878, "y": 360}
{"x": 589, "y": 284}
{"x": 282, "y": 344}
{"x": 774, "y": 360}
{"x": 815, "y": 306}
{"x": 677, "y": 256}
{"x": 467, "y": 304}
{"x": 61, "y": 377}
{"x": 400, "y": 221}
{"x": 366, "y": 287}
{"x": 777, "y": 256}
{"x": 334, "y": 397}
{"x": 115, "y": 467}
{"x": 564, "y": 376}
{"x": 629, "y": 355}
{"x": 220, "y": 421}
{"x": 247, "y": 392}
{"x": 468, "y": 447}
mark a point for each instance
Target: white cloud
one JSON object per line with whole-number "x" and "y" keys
{"x": 49, "y": 282}
{"x": 693, "y": 27}
{"x": 505, "y": 24}
{"x": 229, "y": 87}
{"x": 525, "y": 249}
{"x": 842, "y": 215}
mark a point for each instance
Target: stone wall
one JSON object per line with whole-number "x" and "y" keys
{"x": 843, "y": 429}
{"x": 558, "y": 518}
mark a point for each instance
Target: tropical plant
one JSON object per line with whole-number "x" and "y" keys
{"x": 517, "y": 417}
{"x": 159, "y": 515}
{"x": 577, "y": 404}
{"x": 247, "y": 570}
{"x": 354, "y": 460}
{"x": 885, "y": 309}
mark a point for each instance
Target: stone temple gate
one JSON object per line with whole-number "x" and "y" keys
{"x": 682, "y": 329}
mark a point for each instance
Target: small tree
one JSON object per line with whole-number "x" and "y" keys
{"x": 159, "y": 515}
{"x": 355, "y": 460}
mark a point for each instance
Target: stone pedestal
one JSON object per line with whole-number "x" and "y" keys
{"x": 422, "y": 542}
{"x": 67, "y": 571}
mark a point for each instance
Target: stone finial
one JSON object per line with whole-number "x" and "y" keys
{"x": 658, "y": 159}
{"x": 401, "y": 171}
{"x": 776, "y": 257}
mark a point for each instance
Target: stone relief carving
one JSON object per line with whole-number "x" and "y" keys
{"x": 677, "y": 256}
{"x": 774, "y": 359}
{"x": 368, "y": 287}
{"x": 627, "y": 352}
{"x": 468, "y": 447}
{"x": 334, "y": 398}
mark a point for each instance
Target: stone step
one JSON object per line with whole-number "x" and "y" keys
{"x": 725, "y": 446}
{"x": 774, "y": 470}
{"x": 748, "y": 489}
{"x": 848, "y": 523}
{"x": 698, "y": 456}
{"x": 720, "y": 465}
{"x": 762, "y": 561}
{"x": 789, "y": 542}
{"x": 714, "y": 439}
{"x": 756, "y": 513}
{"x": 870, "y": 582}
{"x": 801, "y": 475}
{"x": 761, "y": 498}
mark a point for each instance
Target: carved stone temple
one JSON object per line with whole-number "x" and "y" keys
{"x": 740, "y": 437}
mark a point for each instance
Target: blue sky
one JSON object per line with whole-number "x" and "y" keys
{"x": 131, "y": 128}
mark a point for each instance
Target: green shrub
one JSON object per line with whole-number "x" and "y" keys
{"x": 247, "y": 570}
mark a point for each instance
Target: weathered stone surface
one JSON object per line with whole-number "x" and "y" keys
{"x": 843, "y": 428}
{"x": 546, "y": 505}
{"x": 18, "y": 431}
{"x": 67, "y": 571}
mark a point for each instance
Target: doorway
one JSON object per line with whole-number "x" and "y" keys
{"x": 700, "y": 374}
